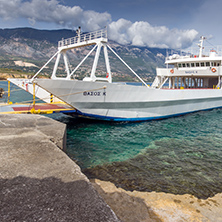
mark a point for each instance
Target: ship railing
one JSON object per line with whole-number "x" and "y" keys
{"x": 193, "y": 52}
{"x": 83, "y": 37}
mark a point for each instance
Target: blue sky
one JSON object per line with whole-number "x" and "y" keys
{"x": 153, "y": 23}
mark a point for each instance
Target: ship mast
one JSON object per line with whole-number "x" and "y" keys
{"x": 201, "y": 46}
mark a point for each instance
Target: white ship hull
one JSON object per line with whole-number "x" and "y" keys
{"x": 119, "y": 102}
{"x": 194, "y": 83}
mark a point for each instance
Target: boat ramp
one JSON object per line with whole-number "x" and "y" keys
{"x": 34, "y": 106}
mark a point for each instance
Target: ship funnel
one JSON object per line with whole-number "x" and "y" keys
{"x": 213, "y": 53}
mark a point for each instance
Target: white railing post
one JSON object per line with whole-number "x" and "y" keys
{"x": 93, "y": 71}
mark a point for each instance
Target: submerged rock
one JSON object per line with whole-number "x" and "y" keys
{"x": 131, "y": 175}
{"x": 152, "y": 206}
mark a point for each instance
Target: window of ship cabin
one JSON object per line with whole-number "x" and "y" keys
{"x": 197, "y": 64}
{"x": 184, "y": 65}
{"x": 179, "y": 65}
{"x": 202, "y": 64}
{"x": 215, "y": 64}
{"x": 192, "y": 64}
{"x": 207, "y": 63}
{"x": 188, "y": 64}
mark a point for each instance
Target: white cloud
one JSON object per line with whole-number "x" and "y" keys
{"x": 51, "y": 11}
{"x": 8, "y": 8}
{"x": 118, "y": 31}
{"x": 143, "y": 34}
{"x": 123, "y": 31}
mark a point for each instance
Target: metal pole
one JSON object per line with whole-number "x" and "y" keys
{"x": 45, "y": 65}
{"x": 108, "y": 70}
{"x": 127, "y": 66}
{"x": 51, "y": 98}
{"x": 68, "y": 77}
{"x": 96, "y": 59}
{"x": 33, "y": 95}
{"x": 8, "y": 92}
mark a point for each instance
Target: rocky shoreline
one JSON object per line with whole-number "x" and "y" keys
{"x": 5, "y": 76}
{"x": 152, "y": 206}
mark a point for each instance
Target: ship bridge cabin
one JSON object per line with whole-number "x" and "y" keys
{"x": 191, "y": 71}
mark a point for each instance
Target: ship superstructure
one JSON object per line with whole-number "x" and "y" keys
{"x": 191, "y": 71}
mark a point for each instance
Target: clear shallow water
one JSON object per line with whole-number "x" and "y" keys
{"x": 177, "y": 155}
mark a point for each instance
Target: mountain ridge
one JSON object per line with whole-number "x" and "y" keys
{"x": 37, "y": 46}
{"x": 30, "y": 33}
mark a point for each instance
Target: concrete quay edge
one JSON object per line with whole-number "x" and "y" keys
{"x": 38, "y": 181}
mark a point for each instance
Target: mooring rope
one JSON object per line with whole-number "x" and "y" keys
{"x": 27, "y": 102}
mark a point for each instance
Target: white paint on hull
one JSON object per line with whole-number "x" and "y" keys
{"x": 118, "y": 101}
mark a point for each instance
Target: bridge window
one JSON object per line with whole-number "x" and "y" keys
{"x": 215, "y": 63}
{"x": 179, "y": 65}
{"x": 207, "y": 63}
{"x": 192, "y": 64}
{"x": 202, "y": 64}
{"x": 197, "y": 64}
{"x": 184, "y": 65}
{"x": 188, "y": 64}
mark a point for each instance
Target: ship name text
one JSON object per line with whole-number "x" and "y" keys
{"x": 94, "y": 93}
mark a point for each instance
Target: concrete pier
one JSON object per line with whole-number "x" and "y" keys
{"x": 38, "y": 181}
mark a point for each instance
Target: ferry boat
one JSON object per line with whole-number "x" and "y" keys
{"x": 188, "y": 84}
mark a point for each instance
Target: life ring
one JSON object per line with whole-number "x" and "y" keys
{"x": 172, "y": 71}
{"x": 213, "y": 70}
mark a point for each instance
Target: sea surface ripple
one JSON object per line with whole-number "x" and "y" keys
{"x": 177, "y": 155}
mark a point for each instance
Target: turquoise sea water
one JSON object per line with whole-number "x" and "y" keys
{"x": 176, "y": 155}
